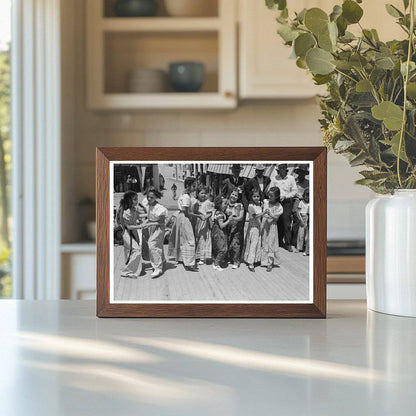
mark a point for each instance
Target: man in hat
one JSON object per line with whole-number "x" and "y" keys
{"x": 235, "y": 181}
{"x": 288, "y": 190}
{"x": 259, "y": 183}
{"x": 302, "y": 184}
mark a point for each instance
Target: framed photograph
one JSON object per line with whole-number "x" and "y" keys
{"x": 211, "y": 232}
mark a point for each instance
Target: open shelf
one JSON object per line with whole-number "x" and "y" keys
{"x": 211, "y": 9}
{"x": 116, "y": 46}
{"x": 160, "y": 24}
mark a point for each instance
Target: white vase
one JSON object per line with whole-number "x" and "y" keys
{"x": 391, "y": 253}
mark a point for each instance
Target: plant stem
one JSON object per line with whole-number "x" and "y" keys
{"x": 406, "y": 80}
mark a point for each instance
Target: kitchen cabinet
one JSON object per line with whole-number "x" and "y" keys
{"x": 265, "y": 70}
{"x": 116, "y": 46}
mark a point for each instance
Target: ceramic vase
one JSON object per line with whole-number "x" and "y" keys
{"x": 391, "y": 253}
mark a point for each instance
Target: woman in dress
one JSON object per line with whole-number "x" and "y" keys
{"x": 218, "y": 233}
{"x": 235, "y": 230}
{"x": 203, "y": 206}
{"x": 269, "y": 234}
{"x": 182, "y": 239}
{"x": 252, "y": 250}
{"x": 129, "y": 219}
{"x": 155, "y": 230}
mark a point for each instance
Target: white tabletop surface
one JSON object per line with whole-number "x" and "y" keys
{"x": 57, "y": 358}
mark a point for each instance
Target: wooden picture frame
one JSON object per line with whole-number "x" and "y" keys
{"x": 315, "y": 308}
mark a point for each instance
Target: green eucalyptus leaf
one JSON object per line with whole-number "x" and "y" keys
{"x": 393, "y": 11}
{"x": 300, "y": 17}
{"x": 316, "y": 20}
{"x": 411, "y": 90}
{"x": 286, "y": 32}
{"x": 394, "y": 146}
{"x": 375, "y": 35}
{"x": 301, "y": 63}
{"x": 319, "y": 61}
{"x": 351, "y": 11}
{"x": 363, "y": 86}
{"x": 343, "y": 65}
{"x": 276, "y": 4}
{"x": 325, "y": 42}
{"x": 343, "y": 145}
{"x": 385, "y": 63}
{"x": 358, "y": 160}
{"x": 336, "y": 12}
{"x": 342, "y": 25}
{"x": 321, "y": 79}
{"x": 391, "y": 114}
{"x": 303, "y": 43}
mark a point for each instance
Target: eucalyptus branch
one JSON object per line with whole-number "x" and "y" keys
{"x": 406, "y": 80}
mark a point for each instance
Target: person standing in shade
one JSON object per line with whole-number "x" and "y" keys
{"x": 234, "y": 182}
{"x": 218, "y": 234}
{"x": 302, "y": 184}
{"x": 259, "y": 183}
{"x": 174, "y": 189}
{"x": 288, "y": 190}
{"x": 182, "y": 239}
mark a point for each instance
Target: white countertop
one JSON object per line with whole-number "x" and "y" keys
{"x": 56, "y": 358}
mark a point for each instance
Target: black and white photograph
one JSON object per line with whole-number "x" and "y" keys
{"x": 211, "y": 232}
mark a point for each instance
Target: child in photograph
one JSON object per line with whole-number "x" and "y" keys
{"x": 182, "y": 239}
{"x": 303, "y": 215}
{"x": 204, "y": 208}
{"x": 235, "y": 229}
{"x": 269, "y": 233}
{"x": 174, "y": 189}
{"x": 252, "y": 245}
{"x": 155, "y": 230}
{"x": 219, "y": 236}
{"x": 128, "y": 218}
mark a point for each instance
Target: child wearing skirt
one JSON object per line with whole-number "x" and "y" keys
{"x": 252, "y": 245}
{"x": 182, "y": 239}
{"x": 128, "y": 218}
{"x": 269, "y": 234}
{"x": 203, "y": 206}
{"x": 155, "y": 231}
{"x": 219, "y": 236}
{"x": 235, "y": 230}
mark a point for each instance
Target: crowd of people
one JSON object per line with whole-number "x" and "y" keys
{"x": 249, "y": 222}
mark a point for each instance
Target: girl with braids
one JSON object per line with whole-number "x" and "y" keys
{"x": 182, "y": 239}
{"x": 128, "y": 218}
{"x": 252, "y": 250}
{"x": 154, "y": 233}
{"x": 235, "y": 229}
{"x": 269, "y": 234}
{"x": 218, "y": 233}
{"x": 203, "y": 206}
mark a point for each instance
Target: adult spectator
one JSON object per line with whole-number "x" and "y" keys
{"x": 259, "y": 183}
{"x": 288, "y": 190}
{"x": 234, "y": 182}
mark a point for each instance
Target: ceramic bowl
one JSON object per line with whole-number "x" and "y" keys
{"x": 136, "y": 8}
{"x": 186, "y": 76}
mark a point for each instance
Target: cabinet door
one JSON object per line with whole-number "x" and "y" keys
{"x": 265, "y": 68}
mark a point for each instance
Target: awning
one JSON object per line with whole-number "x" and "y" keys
{"x": 248, "y": 170}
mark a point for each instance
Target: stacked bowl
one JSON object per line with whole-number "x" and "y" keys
{"x": 147, "y": 80}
